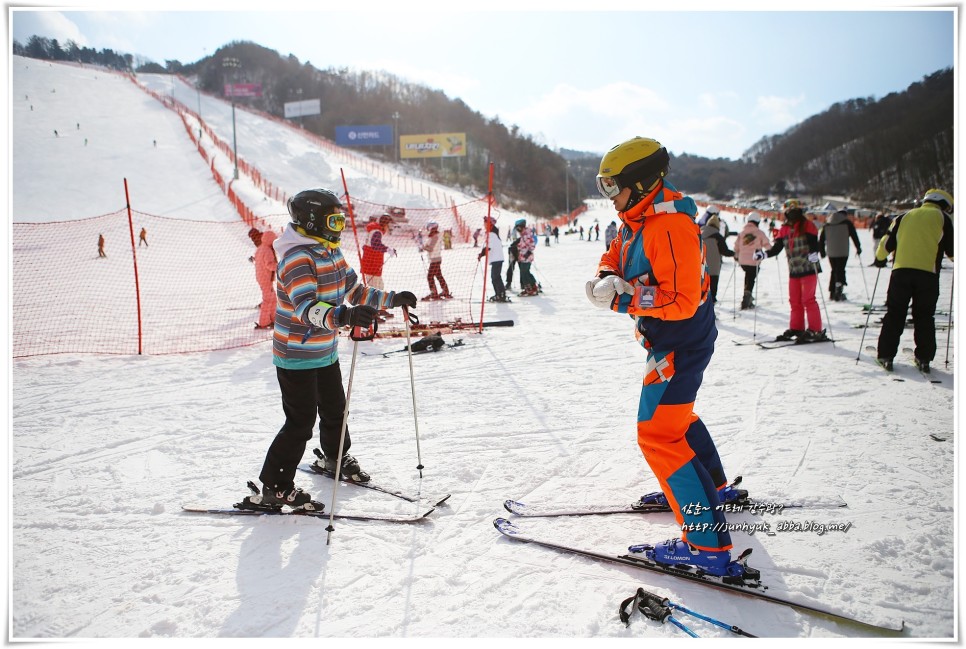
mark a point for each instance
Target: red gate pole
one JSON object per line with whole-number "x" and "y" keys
{"x": 489, "y": 205}
{"x": 134, "y": 255}
{"x": 352, "y": 216}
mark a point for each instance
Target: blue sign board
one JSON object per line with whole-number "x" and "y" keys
{"x": 363, "y": 135}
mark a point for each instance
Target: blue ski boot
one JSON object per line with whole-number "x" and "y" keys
{"x": 682, "y": 556}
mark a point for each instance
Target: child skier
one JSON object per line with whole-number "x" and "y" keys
{"x": 313, "y": 281}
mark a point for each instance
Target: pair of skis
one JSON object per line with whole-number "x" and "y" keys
{"x": 239, "y": 508}
{"x": 758, "y": 588}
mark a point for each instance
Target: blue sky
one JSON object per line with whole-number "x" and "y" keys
{"x": 704, "y": 82}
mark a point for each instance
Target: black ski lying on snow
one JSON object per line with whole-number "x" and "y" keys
{"x": 751, "y": 506}
{"x": 754, "y": 589}
{"x": 396, "y": 493}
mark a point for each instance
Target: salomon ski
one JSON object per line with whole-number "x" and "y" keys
{"x": 391, "y": 518}
{"x": 750, "y": 587}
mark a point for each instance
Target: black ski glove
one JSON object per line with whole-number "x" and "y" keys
{"x": 404, "y": 298}
{"x": 879, "y": 263}
{"x": 358, "y": 316}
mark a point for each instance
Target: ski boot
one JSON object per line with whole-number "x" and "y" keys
{"x": 811, "y": 336}
{"x": 431, "y": 296}
{"x": 446, "y": 295}
{"x": 270, "y": 325}
{"x": 922, "y": 366}
{"x": 274, "y": 498}
{"x": 885, "y": 363}
{"x": 747, "y": 301}
{"x": 351, "y": 472}
{"x": 680, "y": 556}
{"x": 727, "y": 495}
{"x": 791, "y": 334}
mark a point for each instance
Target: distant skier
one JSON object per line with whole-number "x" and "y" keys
{"x": 799, "y": 238}
{"x": 434, "y": 248}
{"x": 715, "y": 248}
{"x": 918, "y": 239}
{"x": 833, "y": 240}
{"x": 143, "y": 238}
{"x": 526, "y": 246}
{"x": 751, "y": 246}
{"x": 265, "y": 266}
{"x": 495, "y": 247}
{"x": 100, "y": 246}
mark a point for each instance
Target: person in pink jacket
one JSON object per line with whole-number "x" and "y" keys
{"x": 751, "y": 240}
{"x": 265, "y": 265}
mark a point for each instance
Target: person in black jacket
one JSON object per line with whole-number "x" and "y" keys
{"x": 880, "y": 225}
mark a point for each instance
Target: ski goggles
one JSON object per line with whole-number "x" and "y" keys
{"x": 608, "y": 186}
{"x": 335, "y": 222}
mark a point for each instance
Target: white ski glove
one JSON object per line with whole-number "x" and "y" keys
{"x": 760, "y": 255}
{"x": 601, "y": 291}
{"x": 813, "y": 257}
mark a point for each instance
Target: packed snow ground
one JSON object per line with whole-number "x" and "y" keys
{"x": 105, "y": 450}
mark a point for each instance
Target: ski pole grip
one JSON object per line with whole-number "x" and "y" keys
{"x": 652, "y": 606}
{"x": 360, "y": 334}
{"x": 410, "y": 315}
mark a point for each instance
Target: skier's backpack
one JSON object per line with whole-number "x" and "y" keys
{"x": 428, "y": 344}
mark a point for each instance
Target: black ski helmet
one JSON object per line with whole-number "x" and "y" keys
{"x": 309, "y": 209}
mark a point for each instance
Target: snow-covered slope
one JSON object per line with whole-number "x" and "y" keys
{"x": 104, "y": 450}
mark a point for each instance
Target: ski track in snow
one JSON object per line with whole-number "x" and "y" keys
{"x": 105, "y": 449}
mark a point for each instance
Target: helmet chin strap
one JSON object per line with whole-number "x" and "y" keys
{"x": 325, "y": 242}
{"x": 638, "y": 193}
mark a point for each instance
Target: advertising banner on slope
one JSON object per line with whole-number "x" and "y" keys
{"x": 380, "y": 135}
{"x": 243, "y": 90}
{"x": 303, "y": 108}
{"x": 438, "y": 145}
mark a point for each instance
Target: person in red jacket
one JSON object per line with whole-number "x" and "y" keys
{"x": 799, "y": 238}
{"x": 655, "y": 271}
{"x": 265, "y": 266}
{"x": 374, "y": 251}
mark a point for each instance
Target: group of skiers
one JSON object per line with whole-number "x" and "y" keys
{"x": 659, "y": 268}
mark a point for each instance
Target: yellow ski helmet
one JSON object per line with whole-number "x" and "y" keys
{"x": 943, "y": 199}
{"x": 637, "y": 163}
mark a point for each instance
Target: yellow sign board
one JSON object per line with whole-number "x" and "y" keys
{"x": 437, "y": 145}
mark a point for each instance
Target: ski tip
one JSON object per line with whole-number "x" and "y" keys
{"x": 442, "y": 500}
{"x": 513, "y": 506}
{"x": 505, "y": 526}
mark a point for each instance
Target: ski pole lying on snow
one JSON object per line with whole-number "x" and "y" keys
{"x": 659, "y": 609}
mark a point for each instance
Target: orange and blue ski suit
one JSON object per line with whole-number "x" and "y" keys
{"x": 658, "y": 251}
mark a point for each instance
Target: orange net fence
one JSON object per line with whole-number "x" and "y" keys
{"x": 157, "y": 285}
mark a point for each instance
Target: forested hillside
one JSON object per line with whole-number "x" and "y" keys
{"x": 873, "y": 151}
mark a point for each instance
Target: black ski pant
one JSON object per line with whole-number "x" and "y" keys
{"x": 837, "y": 274}
{"x": 922, "y": 288}
{"x": 751, "y": 273}
{"x": 714, "y": 288}
{"x": 306, "y": 394}
{"x": 509, "y": 272}
{"x": 496, "y": 277}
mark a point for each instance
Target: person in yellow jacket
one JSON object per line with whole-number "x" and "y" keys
{"x": 919, "y": 239}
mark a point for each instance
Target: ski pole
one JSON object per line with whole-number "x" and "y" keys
{"x": 781, "y": 300}
{"x": 724, "y": 625}
{"x": 949, "y": 325}
{"x": 754, "y": 329}
{"x": 818, "y": 286}
{"x": 653, "y": 608}
{"x": 734, "y": 291}
{"x": 412, "y": 383}
{"x": 858, "y": 255}
{"x": 356, "y": 336}
{"x": 871, "y": 302}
